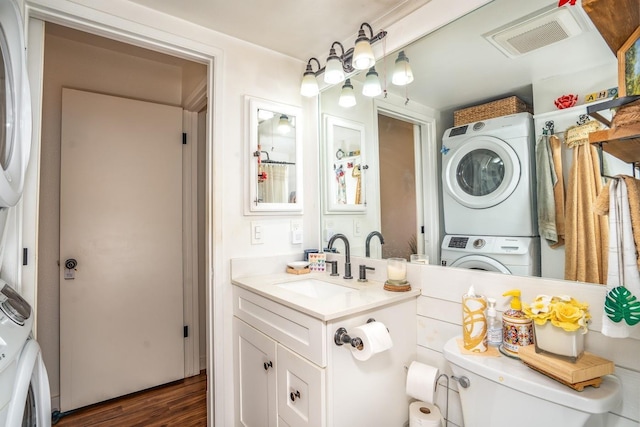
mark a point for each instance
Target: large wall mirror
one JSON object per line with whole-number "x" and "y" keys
{"x": 274, "y": 156}
{"x": 478, "y": 72}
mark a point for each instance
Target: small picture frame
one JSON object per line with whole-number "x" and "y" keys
{"x": 629, "y": 66}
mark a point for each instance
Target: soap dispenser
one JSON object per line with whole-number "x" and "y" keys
{"x": 517, "y": 328}
{"x": 494, "y": 325}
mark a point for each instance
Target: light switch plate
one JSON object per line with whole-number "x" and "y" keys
{"x": 296, "y": 232}
{"x": 257, "y": 233}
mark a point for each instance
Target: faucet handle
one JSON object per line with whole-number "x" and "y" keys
{"x": 334, "y": 267}
{"x": 363, "y": 272}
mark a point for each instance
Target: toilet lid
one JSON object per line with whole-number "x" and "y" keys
{"x": 15, "y": 105}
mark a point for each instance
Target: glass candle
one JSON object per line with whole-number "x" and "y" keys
{"x": 419, "y": 259}
{"x": 397, "y": 270}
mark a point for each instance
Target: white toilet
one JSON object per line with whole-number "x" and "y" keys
{"x": 503, "y": 392}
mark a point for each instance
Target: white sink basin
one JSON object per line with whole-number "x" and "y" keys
{"x": 314, "y": 288}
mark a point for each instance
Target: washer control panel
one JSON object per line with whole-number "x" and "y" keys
{"x": 14, "y": 306}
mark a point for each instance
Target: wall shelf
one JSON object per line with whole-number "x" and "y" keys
{"x": 616, "y": 20}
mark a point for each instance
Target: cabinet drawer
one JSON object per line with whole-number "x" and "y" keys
{"x": 301, "y": 391}
{"x": 301, "y": 333}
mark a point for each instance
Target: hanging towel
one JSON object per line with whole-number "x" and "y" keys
{"x": 633, "y": 193}
{"x": 546, "y": 180}
{"x": 550, "y": 190}
{"x": 601, "y": 207}
{"x": 558, "y": 188}
{"x": 623, "y": 266}
{"x": 586, "y": 233}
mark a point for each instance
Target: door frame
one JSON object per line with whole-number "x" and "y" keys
{"x": 426, "y": 165}
{"x": 89, "y": 20}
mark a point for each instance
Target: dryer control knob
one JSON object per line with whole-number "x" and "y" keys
{"x": 479, "y": 243}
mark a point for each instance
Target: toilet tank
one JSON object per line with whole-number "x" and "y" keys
{"x": 503, "y": 392}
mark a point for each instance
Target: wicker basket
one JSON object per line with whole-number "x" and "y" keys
{"x": 501, "y": 107}
{"x": 627, "y": 115}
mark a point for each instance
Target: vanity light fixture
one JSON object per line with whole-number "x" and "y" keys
{"x": 402, "y": 74}
{"x": 372, "y": 85}
{"x": 347, "y": 97}
{"x": 309, "y": 85}
{"x": 334, "y": 70}
{"x": 362, "y": 53}
{"x": 283, "y": 124}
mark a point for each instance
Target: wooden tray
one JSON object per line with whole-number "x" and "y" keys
{"x": 298, "y": 271}
{"x": 588, "y": 370}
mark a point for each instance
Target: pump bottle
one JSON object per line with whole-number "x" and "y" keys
{"x": 517, "y": 328}
{"x": 494, "y": 325}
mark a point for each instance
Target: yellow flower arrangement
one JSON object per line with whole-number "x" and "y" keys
{"x": 563, "y": 311}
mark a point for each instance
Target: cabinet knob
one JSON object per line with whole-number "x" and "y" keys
{"x": 295, "y": 395}
{"x": 268, "y": 365}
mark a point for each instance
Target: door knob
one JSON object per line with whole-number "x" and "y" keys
{"x": 70, "y": 264}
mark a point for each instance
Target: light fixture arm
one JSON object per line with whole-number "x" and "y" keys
{"x": 310, "y": 68}
{"x": 346, "y": 57}
{"x": 370, "y": 30}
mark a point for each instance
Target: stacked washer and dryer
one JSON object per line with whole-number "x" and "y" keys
{"x": 24, "y": 387}
{"x": 489, "y": 198}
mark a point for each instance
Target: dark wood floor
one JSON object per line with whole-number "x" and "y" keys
{"x": 181, "y": 403}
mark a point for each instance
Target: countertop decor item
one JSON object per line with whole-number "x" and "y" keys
{"x": 560, "y": 323}
{"x": 397, "y": 275}
{"x": 566, "y": 101}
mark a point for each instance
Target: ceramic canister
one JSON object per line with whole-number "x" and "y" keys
{"x": 517, "y": 331}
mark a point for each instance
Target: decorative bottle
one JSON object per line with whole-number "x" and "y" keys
{"x": 517, "y": 328}
{"x": 494, "y": 325}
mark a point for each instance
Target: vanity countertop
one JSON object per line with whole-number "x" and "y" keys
{"x": 366, "y": 296}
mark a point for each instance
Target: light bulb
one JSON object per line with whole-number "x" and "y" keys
{"x": 402, "y": 74}
{"x": 309, "y": 86}
{"x": 333, "y": 72}
{"x": 347, "y": 97}
{"x": 372, "y": 84}
{"x": 362, "y": 53}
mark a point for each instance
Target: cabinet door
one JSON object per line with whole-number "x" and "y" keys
{"x": 301, "y": 390}
{"x": 256, "y": 359}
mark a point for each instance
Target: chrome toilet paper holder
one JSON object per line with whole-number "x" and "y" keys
{"x": 342, "y": 337}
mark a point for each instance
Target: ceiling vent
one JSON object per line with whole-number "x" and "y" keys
{"x": 537, "y": 30}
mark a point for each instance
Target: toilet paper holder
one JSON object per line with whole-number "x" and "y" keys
{"x": 342, "y": 337}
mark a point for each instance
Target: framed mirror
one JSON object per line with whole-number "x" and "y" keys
{"x": 344, "y": 165}
{"x": 274, "y": 153}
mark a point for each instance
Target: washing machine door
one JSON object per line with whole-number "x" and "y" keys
{"x": 15, "y": 105}
{"x": 480, "y": 262}
{"x": 482, "y": 172}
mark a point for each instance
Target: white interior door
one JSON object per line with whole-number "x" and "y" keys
{"x": 121, "y": 316}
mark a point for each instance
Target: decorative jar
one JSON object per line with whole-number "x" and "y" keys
{"x": 553, "y": 340}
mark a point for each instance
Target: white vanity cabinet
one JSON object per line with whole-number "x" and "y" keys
{"x": 290, "y": 372}
{"x": 275, "y": 382}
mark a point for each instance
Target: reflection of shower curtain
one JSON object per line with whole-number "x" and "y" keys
{"x": 274, "y": 189}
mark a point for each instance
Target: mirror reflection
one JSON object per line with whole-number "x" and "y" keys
{"x": 276, "y": 150}
{"x": 274, "y": 153}
{"x": 454, "y": 67}
{"x": 345, "y": 165}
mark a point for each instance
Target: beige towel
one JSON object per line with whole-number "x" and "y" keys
{"x": 558, "y": 189}
{"x": 587, "y": 234}
{"x": 601, "y": 207}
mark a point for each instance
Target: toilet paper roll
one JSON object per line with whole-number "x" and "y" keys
{"x": 375, "y": 339}
{"x": 421, "y": 381}
{"x": 422, "y": 414}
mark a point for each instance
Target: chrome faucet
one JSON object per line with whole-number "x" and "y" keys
{"x": 367, "y": 245}
{"x": 347, "y": 258}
